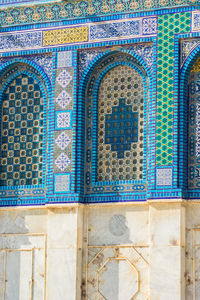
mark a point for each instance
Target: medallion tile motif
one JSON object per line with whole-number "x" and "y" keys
{"x": 63, "y": 120}
{"x": 62, "y": 162}
{"x": 64, "y": 78}
{"x": 63, "y": 140}
{"x": 149, "y": 25}
{"x": 63, "y": 99}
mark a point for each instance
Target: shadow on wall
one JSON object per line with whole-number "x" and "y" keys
{"x": 111, "y": 273}
{"x": 115, "y": 269}
{"x": 20, "y": 259}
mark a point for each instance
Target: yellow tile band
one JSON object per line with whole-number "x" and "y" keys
{"x": 65, "y": 36}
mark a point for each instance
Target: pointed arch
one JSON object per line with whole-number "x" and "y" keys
{"x": 105, "y": 62}
{"x": 23, "y": 105}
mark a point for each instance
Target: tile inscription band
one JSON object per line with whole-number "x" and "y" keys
{"x": 65, "y": 36}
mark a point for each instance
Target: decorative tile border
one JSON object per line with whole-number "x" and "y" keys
{"x": 115, "y": 30}
{"x": 32, "y": 39}
{"x": 168, "y": 26}
{"x": 52, "y": 12}
{"x": 21, "y": 40}
{"x": 17, "y": 2}
{"x": 164, "y": 177}
{"x": 64, "y": 59}
{"x": 65, "y": 36}
{"x": 63, "y": 139}
{"x": 62, "y": 183}
{"x": 63, "y": 120}
{"x": 196, "y": 21}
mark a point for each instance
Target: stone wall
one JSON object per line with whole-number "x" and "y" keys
{"x": 134, "y": 251}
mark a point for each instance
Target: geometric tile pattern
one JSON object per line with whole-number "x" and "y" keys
{"x": 120, "y": 134}
{"x": 194, "y": 127}
{"x": 62, "y": 161}
{"x": 65, "y": 11}
{"x": 149, "y": 25}
{"x": 116, "y": 78}
{"x": 63, "y": 140}
{"x": 22, "y": 133}
{"x": 164, "y": 177}
{"x": 64, "y": 59}
{"x": 64, "y": 78}
{"x": 168, "y": 25}
{"x": 63, "y": 99}
{"x": 62, "y": 144}
{"x": 63, "y": 120}
{"x": 102, "y": 31}
{"x": 21, "y": 40}
{"x": 62, "y": 183}
{"x": 64, "y": 36}
{"x": 63, "y": 123}
{"x": 120, "y": 125}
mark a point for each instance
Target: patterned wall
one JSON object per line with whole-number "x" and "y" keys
{"x": 162, "y": 46}
{"x": 116, "y": 121}
{"x": 120, "y": 125}
{"x": 168, "y": 25}
{"x": 22, "y": 133}
{"x": 78, "y": 9}
{"x": 194, "y": 127}
{"x": 63, "y": 122}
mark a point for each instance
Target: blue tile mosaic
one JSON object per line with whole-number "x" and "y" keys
{"x": 196, "y": 21}
{"x": 143, "y": 50}
{"x": 121, "y": 128}
{"x": 187, "y": 46}
{"x": 64, "y": 59}
{"x": 62, "y": 183}
{"x": 109, "y": 35}
{"x": 149, "y": 25}
{"x": 44, "y": 61}
{"x": 63, "y": 120}
{"x": 21, "y": 40}
{"x": 112, "y": 30}
{"x": 22, "y": 133}
{"x": 164, "y": 177}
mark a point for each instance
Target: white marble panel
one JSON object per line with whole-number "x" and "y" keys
{"x": 61, "y": 270}
{"x": 18, "y": 277}
{"x": 165, "y": 273}
{"x": 165, "y": 224}
{"x": 62, "y": 228}
{"x": 118, "y": 225}
{"x": 2, "y": 269}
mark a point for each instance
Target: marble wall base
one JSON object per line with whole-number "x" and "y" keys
{"x": 115, "y": 252}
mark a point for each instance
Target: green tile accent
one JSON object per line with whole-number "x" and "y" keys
{"x": 168, "y": 25}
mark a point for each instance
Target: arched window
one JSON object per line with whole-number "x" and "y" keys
{"x": 194, "y": 127}
{"x": 116, "y": 119}
{"x": 22, "y": 137}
